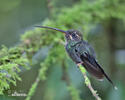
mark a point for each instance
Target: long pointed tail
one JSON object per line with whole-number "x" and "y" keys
{"x": 94, "y": 68}
{"x": 109, "y": 79}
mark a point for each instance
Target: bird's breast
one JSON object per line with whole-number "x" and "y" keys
{"x": 71, "y": 50}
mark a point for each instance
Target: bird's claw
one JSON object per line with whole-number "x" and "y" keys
{"x": 78, "y": 64}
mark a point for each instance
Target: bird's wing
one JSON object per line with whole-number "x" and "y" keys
{"x": 87, "y": 55}
{"x": 89, "y": 48}
{"x": 91, "y": 65}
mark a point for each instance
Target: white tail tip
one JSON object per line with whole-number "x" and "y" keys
{"x": 115, "y": 88}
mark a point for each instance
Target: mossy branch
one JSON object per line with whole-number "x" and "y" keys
{"x": 88, "y": 83}
{"x": 87, "y": 14}
{"x": 32, "y": 89}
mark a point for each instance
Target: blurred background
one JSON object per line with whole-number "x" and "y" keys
{"x": 18, "y": 16}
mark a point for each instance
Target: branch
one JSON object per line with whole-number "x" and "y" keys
{"x": 32, "y": 89}
{"x": 88, "y": 83}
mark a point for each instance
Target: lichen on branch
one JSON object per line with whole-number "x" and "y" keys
{"x": 88, "y": 83}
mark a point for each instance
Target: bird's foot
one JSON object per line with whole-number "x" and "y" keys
{"x": 78, "y": 64}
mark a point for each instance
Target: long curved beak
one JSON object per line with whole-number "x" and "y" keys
{"x": 52, "y": 29}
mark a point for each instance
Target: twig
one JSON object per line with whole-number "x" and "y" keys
{"x": 88, "y": 83}
{"x": 32, "y": 89}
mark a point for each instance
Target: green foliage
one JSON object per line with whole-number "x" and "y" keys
{"x": 80, "y": 16}
{"x": 32, "y": 89}
{"x": 10, "y": 61}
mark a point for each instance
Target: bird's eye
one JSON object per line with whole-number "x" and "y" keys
{"x": 73, "y": 34}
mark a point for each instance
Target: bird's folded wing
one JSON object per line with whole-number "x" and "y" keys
{"x": 91, "y": 65}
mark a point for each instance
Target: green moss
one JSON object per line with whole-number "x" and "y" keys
{"x": 10, "y": 61}
{"x": 79, "y": 16}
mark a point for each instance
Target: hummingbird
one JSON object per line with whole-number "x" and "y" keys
{"x": 81, "y": 52}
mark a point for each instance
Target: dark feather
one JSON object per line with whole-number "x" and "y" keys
{"x": 93, "y": 67}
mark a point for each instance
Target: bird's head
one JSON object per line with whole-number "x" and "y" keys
{"x": 73, "y": 35}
